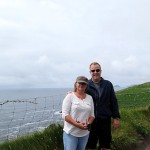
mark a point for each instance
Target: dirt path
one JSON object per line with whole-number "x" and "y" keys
{"x": 148, "y": 147}
{"x": 145, "y": 145}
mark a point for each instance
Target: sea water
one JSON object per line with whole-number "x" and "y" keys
{"x": 23, "y": 111}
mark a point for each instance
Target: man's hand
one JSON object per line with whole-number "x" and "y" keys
{"x": 116, "y": 123}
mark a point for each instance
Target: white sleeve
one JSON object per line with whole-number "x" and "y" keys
{"x": 66, "y": 105}
{"x": 92, "y": 104}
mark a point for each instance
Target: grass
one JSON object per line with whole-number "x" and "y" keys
{"x": 133, "y": 97}
{"x": 49, "y": 139}
{"x": 134, "y": 127}
{"x": 134, "y": 103}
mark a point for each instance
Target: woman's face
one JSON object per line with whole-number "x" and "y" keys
{"x": 81, "y": 87}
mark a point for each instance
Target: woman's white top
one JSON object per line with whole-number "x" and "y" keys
{"x": 79, "y": 110}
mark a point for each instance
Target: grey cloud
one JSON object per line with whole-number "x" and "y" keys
{"x": 48, "y": 43}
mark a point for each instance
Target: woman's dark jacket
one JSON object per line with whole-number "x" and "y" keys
{"x": 105, "y": 103}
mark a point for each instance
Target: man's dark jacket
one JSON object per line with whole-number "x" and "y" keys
{"x": 105, "y": 103}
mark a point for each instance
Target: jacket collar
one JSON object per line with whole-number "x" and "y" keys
{"x": 91, "y": 83}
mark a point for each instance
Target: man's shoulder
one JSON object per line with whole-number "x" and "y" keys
{"x": 106, "y": 81}
{"x": 90, "y": 80}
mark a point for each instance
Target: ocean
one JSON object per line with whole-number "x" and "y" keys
{"x": 11, "y": 94}
{"x": 23, "y": 111}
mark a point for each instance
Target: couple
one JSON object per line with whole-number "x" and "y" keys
{"x": 87, "y": 112}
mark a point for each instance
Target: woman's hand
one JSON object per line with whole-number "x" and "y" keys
{"x": 82, "y": 125}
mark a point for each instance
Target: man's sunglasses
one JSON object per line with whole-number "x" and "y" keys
{"x": 97, "y": 70}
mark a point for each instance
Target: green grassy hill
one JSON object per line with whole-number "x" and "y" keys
{"x": 134, "y": 104}
{"x": 135, "y": 96}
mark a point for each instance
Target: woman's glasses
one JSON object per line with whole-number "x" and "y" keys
{"x": 97, "y": 70}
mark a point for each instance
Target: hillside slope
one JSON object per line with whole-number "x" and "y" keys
{"x": 135, "y": 96}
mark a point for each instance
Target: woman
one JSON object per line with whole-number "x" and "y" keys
{"x": 78, "y": 114}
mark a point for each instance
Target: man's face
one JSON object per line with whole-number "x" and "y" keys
{"x": 95, "y": 71}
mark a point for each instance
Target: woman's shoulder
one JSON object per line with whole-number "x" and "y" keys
{"x": 89, "y": 96}
{"x": 69, "y": 95}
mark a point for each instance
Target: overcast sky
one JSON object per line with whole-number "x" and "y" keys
{"x": 48, "y": 43}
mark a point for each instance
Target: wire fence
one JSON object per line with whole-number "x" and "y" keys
{"x": 22, "y": 117}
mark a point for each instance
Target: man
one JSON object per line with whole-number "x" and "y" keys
{"x": 105, "y": 108}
